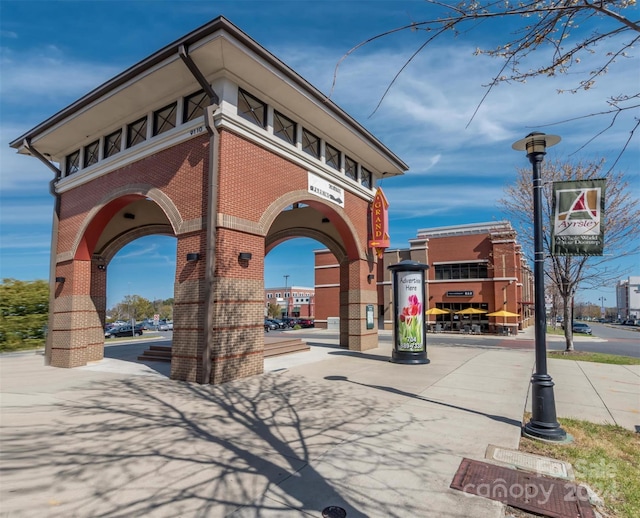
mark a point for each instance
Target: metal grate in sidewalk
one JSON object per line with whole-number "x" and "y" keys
{"x": 551, "y": 497}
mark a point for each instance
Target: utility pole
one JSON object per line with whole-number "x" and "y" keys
{"x": 286, "y": 311}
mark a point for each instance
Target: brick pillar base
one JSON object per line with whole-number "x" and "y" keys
{"x": 353, "y": 307}
{"x": 77, "y": 334}
{"x": 238, "y": 329}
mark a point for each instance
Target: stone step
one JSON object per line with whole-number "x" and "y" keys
{"x": 157, "y": 353}
{"x": 287, "y": 346}
{"x": 162, "y": 353}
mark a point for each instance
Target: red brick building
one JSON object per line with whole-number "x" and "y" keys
{"x": 216, "y": 142}
{"x": 294, "y": 301}
{"x": 470, "y": 266}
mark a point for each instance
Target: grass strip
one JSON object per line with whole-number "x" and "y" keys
{"x": 605, "y": 457}
{"x": 584, "y": 356}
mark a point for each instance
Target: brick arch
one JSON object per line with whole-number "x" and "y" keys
{"x": 105, "y": 209}
{"x": 114, "y": 246}
{"x": 279, "y": 237}
{"x": 338, "y": 216}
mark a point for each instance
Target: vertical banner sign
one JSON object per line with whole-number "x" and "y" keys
{"x": 409, "y": 314}
{"x": 578, "y": 217}
{"x": 379, "y": 223}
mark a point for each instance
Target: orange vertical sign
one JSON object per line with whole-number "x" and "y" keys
{"x": 379, "y": 223}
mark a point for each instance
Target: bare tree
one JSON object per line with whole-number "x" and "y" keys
{"x": 571, "y": 29}
{"x": 565, "y": 274}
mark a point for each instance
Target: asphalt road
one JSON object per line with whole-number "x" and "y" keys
{"x": 607, "y": 338}
{"x": 610, "y": 339}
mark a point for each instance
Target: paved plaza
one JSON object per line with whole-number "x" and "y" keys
{"x": 325, "y": 427}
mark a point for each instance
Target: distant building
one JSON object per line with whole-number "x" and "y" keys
{"x": 294, "y": 301}
{"x": 478, "y": 265}
{"x": 628, "y": 299}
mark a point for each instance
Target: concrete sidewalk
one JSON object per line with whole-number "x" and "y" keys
{"x": 319, "y": 428}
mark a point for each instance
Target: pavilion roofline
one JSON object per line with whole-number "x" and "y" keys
{"x": 219, "y": 24}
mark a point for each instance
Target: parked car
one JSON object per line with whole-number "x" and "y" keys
{"x": 281, "y": 323}
{"x": 289, "y": 321}
{"x": 165, "y": 326}
{"x": 581, "y": 327}
{"x": 125, "y": 330}
{"x": 305, "y": 322}
{"x": 271, "y": 324}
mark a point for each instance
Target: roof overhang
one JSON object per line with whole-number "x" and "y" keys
{"x": 219, "y": 49}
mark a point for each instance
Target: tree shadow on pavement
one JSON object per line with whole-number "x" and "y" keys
{"x": 147, "y": 446}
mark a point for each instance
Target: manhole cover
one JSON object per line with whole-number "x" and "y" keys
{"x": 529, "y": 462}
{"x": 546, "y": 496}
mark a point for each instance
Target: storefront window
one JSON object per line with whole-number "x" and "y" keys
{"x": 461, "y": 271}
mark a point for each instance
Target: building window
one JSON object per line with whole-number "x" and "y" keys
{"x": 91, "y": 153}
{"x": 350, "y": 168}
{"x": 165, "y": 119}
{"x": 137, "y": 132}
{"x": 194, "y": 105}
{"x": 461, "y": 271}
{"x": 332, "y": 156}
{"x": 365, "y": 177}
{"x": 310, "y": 143}
{"x": 112, "y": 143}
{"x": 284, "y": 128}
{"x": 252, "y": 109}
{"x": 72, "y": 163}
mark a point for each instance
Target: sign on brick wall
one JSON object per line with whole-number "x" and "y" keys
{"x": 325, "y": 189}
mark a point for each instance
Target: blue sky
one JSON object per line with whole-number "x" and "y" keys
{"x": 54, "y": 52}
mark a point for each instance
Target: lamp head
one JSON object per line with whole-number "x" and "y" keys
{"x": 536, "y": 142}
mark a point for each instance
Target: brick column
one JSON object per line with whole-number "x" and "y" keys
{"x": 237, "y": 348}
{"x": 353, "y": 303}
{"x": 77, "y": 335}
{"x": 189, "y": 309}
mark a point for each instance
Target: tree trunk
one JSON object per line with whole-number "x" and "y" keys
{"x": 568, "y": 323}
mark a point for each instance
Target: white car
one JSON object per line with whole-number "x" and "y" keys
{"x": 166, "y": 326}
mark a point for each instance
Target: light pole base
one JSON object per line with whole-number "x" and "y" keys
{"x": 543, "y": 423}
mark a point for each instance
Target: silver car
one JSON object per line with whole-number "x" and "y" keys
{"x": 581, "y": 327}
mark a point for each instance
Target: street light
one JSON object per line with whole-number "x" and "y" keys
{"x": 602, "y": 299}
{"x": 286, "y": 312}
{"x": 543, "y": 423}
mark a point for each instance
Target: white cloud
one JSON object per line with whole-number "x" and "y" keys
{"x": 432, "y": 102}
{"x": 47, "y": 74}
{"x": 26, "y": 211}
{"x": 20, "y": 173}
{"x": 438, "y": 199}
{"x": 36, "y": 241}
{"x": 34, "y": 86}
{"x": 137, "y": 251}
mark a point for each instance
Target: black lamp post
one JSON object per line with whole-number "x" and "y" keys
{"x": 543, "y": 424}
{"x": 602, "y": 312}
